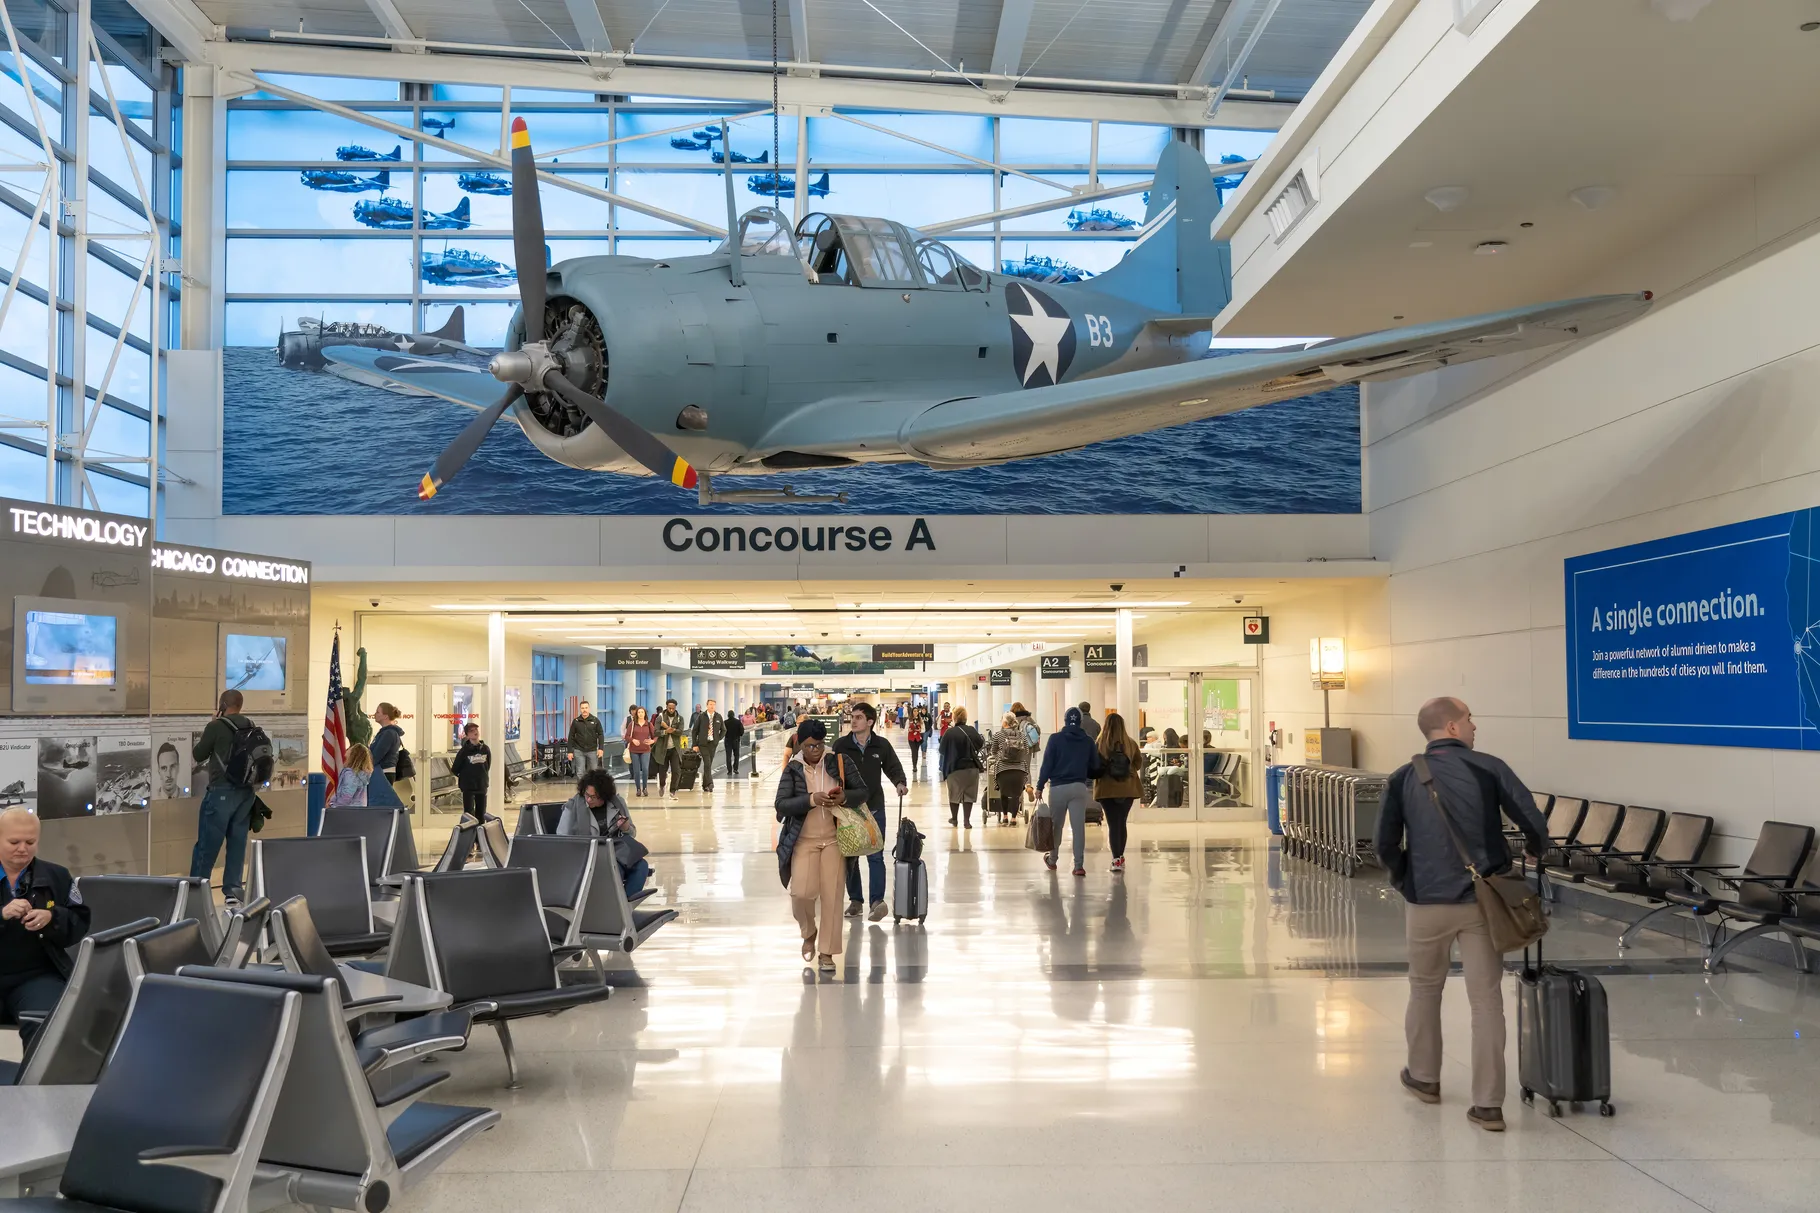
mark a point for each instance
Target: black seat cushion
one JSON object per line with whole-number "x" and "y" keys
{"x": 357, "y": 945}
{"x": 53, "y": 1204}
{"x": 1698, "y": 903}
{"x": 644, "y": 918}
{"x": 422, "y": 1125}
{"x": 9, "y": 1073}
{"x": 367, "y": 966}
{"x": 541, "y": 1002}
{"x": 1744, "y": 913}
{"x": 639, "y": 896}
{"x": 1608, "y": 885}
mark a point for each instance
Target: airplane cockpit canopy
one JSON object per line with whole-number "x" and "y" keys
{"x": 855, "y": 250}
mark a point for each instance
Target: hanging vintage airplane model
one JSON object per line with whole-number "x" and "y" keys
{"x": 858, "y": 340}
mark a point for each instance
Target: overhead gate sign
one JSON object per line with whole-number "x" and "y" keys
{"x": 1708, "y": 638}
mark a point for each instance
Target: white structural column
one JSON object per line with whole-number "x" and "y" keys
{"x": 1126, "y": 696}
{"x": 1013, "y": 29}
{"x": 585, "y": 16}
{"x": 799, "y": 32}
{"x": 1023, "y": 686}
{"x": 493, "y": 712}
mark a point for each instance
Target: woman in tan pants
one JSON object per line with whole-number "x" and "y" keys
{"x": 811, "y": 866}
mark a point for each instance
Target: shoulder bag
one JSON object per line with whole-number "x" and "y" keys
{"x": 1513, "y": 912}
{"x": 855, "y": 832}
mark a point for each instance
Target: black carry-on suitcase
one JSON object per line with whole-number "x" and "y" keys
{"x": 910, "y": 881}
{"x": 1563, "y": 1037}
{"x": 688, "y": 770}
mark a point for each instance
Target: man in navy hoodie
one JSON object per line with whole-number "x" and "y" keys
{"x": 1071, "y": 763}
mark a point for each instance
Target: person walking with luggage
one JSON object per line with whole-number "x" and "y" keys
{"x": 667, "y": 751}
{"x": 1008, "y": 752}
{"x": 588, "y": 740}
{"x": 1120, "y": 782}
{"x": 809, "y": 861}
{"x": 470, "y": 766}
{"x": 706, "y": 732}
{"x": 230, "y": 745}
{"x": 1416, "y": 848}
{"x": 735, "y": 730}
{"x": 1070, "y": 763}
{"x": 877, "y": 761}
{"x": 960, "y": 769}
{"x": 641, "y": 735}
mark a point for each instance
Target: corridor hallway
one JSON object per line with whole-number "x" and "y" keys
{"x": 1217, "y": 1028}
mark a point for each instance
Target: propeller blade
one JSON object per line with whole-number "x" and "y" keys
{"x": 456, "y": 455}
{"x": 527, "y": 232}
{"x": 627, "y": 434}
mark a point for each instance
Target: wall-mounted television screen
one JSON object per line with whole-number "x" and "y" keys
{"x": 253, "y": 662}
{"x": 67, "y": 656}
{"x": 70, "y": 649}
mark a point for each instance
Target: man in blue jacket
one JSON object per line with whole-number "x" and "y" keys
{"x": 1071, "y": 763}
{"x": 1476, "y": 791}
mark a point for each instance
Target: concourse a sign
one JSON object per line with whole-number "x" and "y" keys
{"x": 1101, "y": 659}
{"x": 631, "y": 659}
{"x": 1001, "y": 676}
{"x": 1707, "y": 638}
{"x": 1055, "y": 666}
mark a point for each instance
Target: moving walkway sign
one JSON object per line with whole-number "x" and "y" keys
{"x": 1101, "y": 659}
{"x": 1055, "y": 666}
{"x": 631, "y": 659}
{"x": 723, "y": 658}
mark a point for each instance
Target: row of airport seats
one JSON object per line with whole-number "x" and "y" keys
{"x": 1640, "y": 854}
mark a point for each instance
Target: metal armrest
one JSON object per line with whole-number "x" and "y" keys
{"x": 372, "y": 1000}
{"x": 1738, "y": 880}
{"x": 1678, "y": 866}
{"x": 216, "y": 1162}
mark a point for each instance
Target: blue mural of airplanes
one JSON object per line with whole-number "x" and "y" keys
{"x": 396, "y": 215}
{"x": 460, "y": 267}
{"x": 484, "y": 183}
{"x": 783, "y": 185}
{"x": 1045, "y": 269}
{"x": 337, "y": 181}
{"x": 353, "y": 151}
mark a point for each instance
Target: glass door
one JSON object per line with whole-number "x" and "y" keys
{"x": 1228, "y": 763}
{"x": 1168, "y": 742}
{"x": 1200, "y": 739}
{"x": 432, "y": 709}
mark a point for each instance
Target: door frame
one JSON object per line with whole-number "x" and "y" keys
{"x": 422, "y": 813}
{"x": 1195, "y": 677}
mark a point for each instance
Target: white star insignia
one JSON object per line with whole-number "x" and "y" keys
{"x": 1045, "y": 333}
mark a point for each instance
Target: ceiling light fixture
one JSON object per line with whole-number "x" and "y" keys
{"x": 1592, "y": 197}
{"x": 1446, "y": 198}
{"x": 1490, "y": 248}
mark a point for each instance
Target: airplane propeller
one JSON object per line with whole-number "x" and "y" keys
{"x": 532, "y": 366}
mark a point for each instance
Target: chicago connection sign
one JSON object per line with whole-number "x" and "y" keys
{"x": 1708, "y": 638}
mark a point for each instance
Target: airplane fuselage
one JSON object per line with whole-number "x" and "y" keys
{"x": 792, "y": 373}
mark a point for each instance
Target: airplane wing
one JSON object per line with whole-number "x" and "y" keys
{"x": 1039, "y": 421}
{"x": 469, "y": 386}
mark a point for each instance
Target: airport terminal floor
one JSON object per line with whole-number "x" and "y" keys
{"x": 1217, "y": 1028}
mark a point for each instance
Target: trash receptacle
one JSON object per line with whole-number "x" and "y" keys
{"x": 1273, "y": 794}
{"x": 319, "y": 794}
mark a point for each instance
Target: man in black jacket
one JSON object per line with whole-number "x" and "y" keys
{"x": 1476, "y": 791}
{"x": 877, "y": 760}
{"x": 470, "y": 766}
{"x": 706, "y": 732}
{"x": 41, "y": 917}
{"x": 587, "y": 740}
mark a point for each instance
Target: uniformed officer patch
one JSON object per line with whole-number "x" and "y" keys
{"x": 1042, "y": 336}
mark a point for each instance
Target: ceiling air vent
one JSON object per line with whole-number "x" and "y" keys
{"x": 1294, "y": 200}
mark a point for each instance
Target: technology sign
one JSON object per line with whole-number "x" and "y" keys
{"x": 1708, "y": 638}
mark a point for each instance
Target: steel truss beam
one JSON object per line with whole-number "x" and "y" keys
{"x": 647, "y": 75}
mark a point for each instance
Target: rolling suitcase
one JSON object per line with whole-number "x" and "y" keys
{"x": 1563, "y": 1037}
{"x": 688, "y": 770}
{"x": 910, "y": 882}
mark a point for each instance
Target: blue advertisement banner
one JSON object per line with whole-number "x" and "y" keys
{"x": 1708, "y": 638}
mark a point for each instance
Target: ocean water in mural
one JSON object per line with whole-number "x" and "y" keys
{"x": 306, "y": 442}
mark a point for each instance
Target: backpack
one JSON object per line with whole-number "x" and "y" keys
{"x": 404, "y": 768}
{"x": 1031, "y": 734}
{"x": 249, "y": 760}
{"x": 1118, "y": 764}
{"x": 1017, "y": 750}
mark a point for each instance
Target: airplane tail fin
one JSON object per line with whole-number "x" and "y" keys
{"x": 1177, "y": 265}
{"x": 396, "y": 154}
{"x": 454, "y": 328}
{"x": 384, "y": 179}
{"x": 461, "y": 209}
{"x": 822, "y": 183}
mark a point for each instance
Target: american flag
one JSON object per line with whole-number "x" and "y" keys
{"x": 334, "y": 723}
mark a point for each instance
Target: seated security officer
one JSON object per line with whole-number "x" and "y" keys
{"x": 41, "y": 916}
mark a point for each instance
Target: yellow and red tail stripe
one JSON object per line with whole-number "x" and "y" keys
{"x": 521, "y": 135}
{"x": 427, "y": 487}
{"x": 682, "y": 475}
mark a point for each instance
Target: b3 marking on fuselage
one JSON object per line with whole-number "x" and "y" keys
{"x": 1099, "y": 330}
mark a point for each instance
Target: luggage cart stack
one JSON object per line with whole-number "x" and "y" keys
{"x": 1330, "y": 814}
